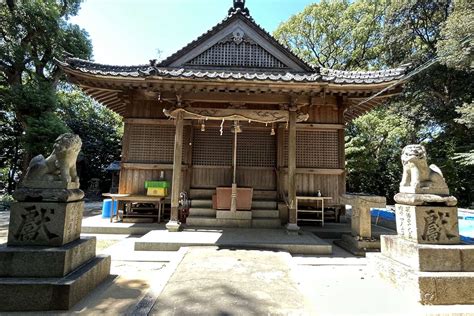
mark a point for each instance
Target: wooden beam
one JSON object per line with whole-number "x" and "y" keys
{"x": 316, "y": 171}
{"x": 149, "y": 166}
{"x": 306, "y": 126}
{"x": 153, "y": 121}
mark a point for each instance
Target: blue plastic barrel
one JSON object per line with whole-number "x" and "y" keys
{"x": 106, "y": 208}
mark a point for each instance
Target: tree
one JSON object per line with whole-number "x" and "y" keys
{"x": 457, "y": 37}
{"x": 101, "y": 132}
{"x": 32, "y": 35}
{"x": 373, "y": 145}
{"x": 337, "y": 34}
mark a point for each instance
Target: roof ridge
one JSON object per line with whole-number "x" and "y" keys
{"x": 237, "y": 13}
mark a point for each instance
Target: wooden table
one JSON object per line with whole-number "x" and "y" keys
{"x": 133, "y": 198}
{"x": 312, "y": 198}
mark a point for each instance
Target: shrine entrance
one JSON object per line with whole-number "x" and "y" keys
{"x": 256, "y": 154}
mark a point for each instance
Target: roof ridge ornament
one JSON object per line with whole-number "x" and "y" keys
{"x": 239, "y": 6}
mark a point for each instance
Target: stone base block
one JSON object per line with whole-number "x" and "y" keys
{"x": 428, "y": 224}
{"x": 429, "y": 258}
{"x": 44, "y": 223}
{"x": 429, "y": 288}
{"x": 46, "y": 294}
{"x": 358, "y": 247}
{"x": 48, "y": 195}
{"x": 240, "y": 215}
{"x": 45, "y": 262}
{"x": 173, "y": 226}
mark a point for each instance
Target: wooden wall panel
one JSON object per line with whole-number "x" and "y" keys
{"x": 328, "y": 114}
{"x": 132, "y": 181}
{"x": 210, "y": 177}
{"x": 257, "y": 178}
{"x": 309, "y": 184}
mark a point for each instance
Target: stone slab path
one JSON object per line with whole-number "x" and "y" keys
{"x": 212, "y": 281}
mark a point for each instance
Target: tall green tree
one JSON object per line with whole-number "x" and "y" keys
{"x": 436, "y": 102}
{"x": 373, "y": 146}
{"x": 101, "y": 132}
{"x": 32, "y": 34}
{"x": 337, "y": 34}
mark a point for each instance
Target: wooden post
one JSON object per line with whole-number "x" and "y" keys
{"x": 292, "y": 224}
{"x": 174, "y": 225}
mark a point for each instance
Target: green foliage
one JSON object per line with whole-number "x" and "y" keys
{"x": 457, "y": 37}
{"x": 435, "y": 107}
{"x": 336, "y": 34}
{"x": 101, "y": 132}
{"x": 373, "y": 145}
{"x": 32, "y": 34}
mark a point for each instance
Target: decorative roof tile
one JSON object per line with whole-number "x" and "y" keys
{"x": 150, "y": 70}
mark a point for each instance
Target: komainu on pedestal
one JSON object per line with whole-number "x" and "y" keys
{"x": 426, "y": 257}
{"x": 45, "y": 264}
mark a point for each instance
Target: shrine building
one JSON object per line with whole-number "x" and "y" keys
{"x": 235, "y": 111}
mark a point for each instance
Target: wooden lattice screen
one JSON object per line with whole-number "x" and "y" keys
{"x": 212, "y": 149}
{"x": 256, "y": 148}
{"x": 238, "y": 55}
{"x": 153, "y": 143}
{"x": 315, "y": 149}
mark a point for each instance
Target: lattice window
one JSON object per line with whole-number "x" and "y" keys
{"x": 256, "y": 148}
{"x": 153, "y": 143}
{"x": 229, "y": 54}
{"x": 315, "y": 149}
{"x": 212, "y": 149}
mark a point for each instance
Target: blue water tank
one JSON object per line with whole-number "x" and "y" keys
{"x": 106, "y": 208}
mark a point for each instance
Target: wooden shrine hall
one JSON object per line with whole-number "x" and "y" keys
{"x": 234, "y": 115}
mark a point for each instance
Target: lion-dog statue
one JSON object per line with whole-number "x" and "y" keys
{"x": 418, "y": 177}
{"x": 60, "y": 165}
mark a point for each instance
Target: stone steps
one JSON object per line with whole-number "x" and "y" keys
{"x": 265, "y": 214}
{"x": 202, "y": 212}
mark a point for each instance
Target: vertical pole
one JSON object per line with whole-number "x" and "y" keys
{"x": 173, "y": 225}
{"x": 233, "y": 201}
{"x": 292, "y": 224}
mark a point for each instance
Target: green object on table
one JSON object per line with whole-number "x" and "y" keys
{"x": 156, "y": 184}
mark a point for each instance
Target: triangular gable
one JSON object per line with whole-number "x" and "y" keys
{"x": 237, "y": 42}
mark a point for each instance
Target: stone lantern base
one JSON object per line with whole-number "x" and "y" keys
{"x": 46, "y": 265}
{"x": 434, "y": 274}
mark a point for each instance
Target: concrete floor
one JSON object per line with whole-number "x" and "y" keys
{"x": 337, "y": 284}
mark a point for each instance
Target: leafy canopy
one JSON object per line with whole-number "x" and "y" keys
{"x": 337, "y": 34}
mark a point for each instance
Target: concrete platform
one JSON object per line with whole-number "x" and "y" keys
{"x": 212, "y": 281}
{"x": 98, "y": 225}
{"x": 249, "y": 238}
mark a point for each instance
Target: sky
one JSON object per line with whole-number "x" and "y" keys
{"x": 131, "y": 32}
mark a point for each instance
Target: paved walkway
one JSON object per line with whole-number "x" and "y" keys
{"x": 210, "y": 281}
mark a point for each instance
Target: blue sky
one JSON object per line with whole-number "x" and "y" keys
{"x": 129, "y": 32}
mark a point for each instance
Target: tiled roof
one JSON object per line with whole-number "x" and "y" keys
{"x": 351, "y": 77}
{"x": 325, "y": 75}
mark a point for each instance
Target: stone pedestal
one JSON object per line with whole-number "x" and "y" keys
{"x": 428, "y": 224}
{"x": 434, "y": 274}
{"x": 44, "y": 223}
{"x": 361, "y": 241}
{"x": 425, "y": 257}
{"x": 45, "y": 265}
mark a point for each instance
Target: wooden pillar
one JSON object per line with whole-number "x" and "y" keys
{"x": 174, "y": 225}
{"x": 292, "y": 223}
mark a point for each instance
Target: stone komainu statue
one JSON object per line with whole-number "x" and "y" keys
{"x": 418, "y": 177}
{"x": 60, "y": 165}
